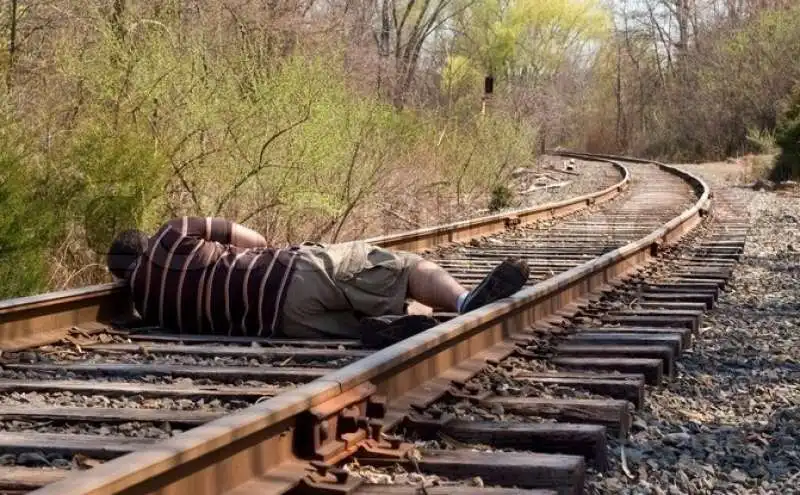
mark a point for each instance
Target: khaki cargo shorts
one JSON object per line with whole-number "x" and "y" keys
{"x": 333, "y": 286}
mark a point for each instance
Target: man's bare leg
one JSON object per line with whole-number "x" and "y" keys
{"x": 431, "y": 285}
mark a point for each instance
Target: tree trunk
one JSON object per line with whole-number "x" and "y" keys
{"x": 618, "y": 94}
{"x": 117, "y": 20}
{"x": 12, "y": 42}
{"x": 682, "y": 45}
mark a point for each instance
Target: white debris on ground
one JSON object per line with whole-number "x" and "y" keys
{"x": 398, "y": 475}
{"x": 556, "y": 179}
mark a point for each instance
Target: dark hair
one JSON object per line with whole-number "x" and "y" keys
{"x": 124, "y": 251}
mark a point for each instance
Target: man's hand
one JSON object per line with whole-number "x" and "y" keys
{"x": 243, "y": 237}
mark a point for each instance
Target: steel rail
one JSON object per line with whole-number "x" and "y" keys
{"x": 46, "y": 317}
{"x": 259, "y": 444}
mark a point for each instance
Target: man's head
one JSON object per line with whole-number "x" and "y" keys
{"x": 124, "y": 251}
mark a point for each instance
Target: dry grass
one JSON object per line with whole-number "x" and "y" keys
{"x": 757, "y": 167}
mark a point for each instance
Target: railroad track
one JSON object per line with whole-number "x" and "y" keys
{"x": 539, "y": 382}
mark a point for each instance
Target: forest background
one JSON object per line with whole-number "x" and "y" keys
{"x": 324, "y": 119}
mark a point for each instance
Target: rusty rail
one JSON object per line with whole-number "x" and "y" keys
{"x": 46, "y": 317}
{"x": 257, "y": 448}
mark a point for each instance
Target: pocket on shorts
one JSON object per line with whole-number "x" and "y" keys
{"x": 349, "y": 259}
{"x": 369, "y": 268}
{"x": 375, "y": 285}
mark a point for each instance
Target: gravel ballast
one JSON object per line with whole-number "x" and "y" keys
{"x": 730, "y": 421}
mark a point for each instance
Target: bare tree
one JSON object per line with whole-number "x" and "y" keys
{"x": 403, "y": 29}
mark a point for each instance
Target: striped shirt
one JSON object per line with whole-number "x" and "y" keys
{"x": 192, "y": 280}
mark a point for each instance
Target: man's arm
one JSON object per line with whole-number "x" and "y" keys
{"x": 218, "y": 230}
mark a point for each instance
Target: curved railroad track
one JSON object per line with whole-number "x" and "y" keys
{"x": 543, "y": 378}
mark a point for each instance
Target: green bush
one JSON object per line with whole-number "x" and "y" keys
{"x": 762, "y": 141}
{"x": 28, "y": 222}
{"x": 501, "y": 197}
{"x": 115, "y": 180}
{"x": 787, "y": 136}
{"x": 21, "y": 249}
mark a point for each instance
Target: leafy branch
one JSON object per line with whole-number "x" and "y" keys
{"x": 261, "y": 164}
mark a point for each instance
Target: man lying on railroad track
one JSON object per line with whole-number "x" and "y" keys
{"x": 207, "y": 275}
